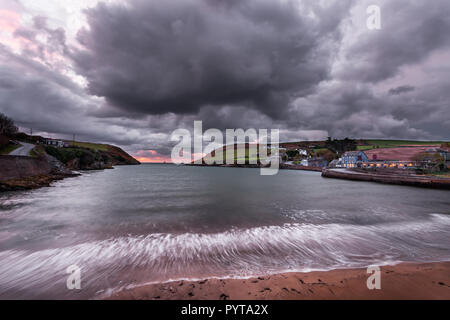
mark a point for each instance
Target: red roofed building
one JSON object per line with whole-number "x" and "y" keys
{"x": 400, "y": 157}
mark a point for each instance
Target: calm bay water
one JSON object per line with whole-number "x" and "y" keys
{"x": 140, "y": 224}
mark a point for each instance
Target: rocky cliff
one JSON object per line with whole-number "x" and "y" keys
{"x": 82, "y": 158}
{"x": 15, "y": 167}
{"x": 23, "y": 173}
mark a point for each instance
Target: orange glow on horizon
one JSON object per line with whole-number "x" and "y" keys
{"x": 153, "y": 159}
{"x": 151, "y": 156}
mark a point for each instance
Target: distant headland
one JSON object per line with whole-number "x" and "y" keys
{"x": 31, "y": 161}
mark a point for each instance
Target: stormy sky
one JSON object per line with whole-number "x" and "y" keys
{"x": 130, "y": 72}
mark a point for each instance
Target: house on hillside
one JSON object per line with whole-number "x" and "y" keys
{"x": 395, "y": 158}
{"x": 56, "y": 143}
{"x": 353, "y": 159}
{"x": 317, "y": 162}
{"x": 336, "y": 163}
{"x": 444, "y": 154}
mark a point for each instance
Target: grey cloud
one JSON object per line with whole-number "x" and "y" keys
{"x": 39, "y": 98}
{"x": 153, "y": 67}
{"x": 401, "y": 89}
{"x": 410, "y": 32}
{"x": 54, "y": 39}
{"x": 357, "y": 110}
{"x": 180, "y": 55}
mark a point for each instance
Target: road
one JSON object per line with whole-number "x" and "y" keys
{"x": 23, "y": 150}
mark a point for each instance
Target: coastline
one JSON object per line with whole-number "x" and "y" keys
{"x": 33, "y": 182}
{"x": 26, "y": 173}
{"x": 398, "y": 179}
{"x": 410, "y": 281}
{"x": 256, "y": 166}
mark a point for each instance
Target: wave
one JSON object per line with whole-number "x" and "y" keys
{"x": 160, "y": 257}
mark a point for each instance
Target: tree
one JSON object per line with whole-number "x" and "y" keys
{"x": 430, "y": 161}
{"x": 341, "y": 146}
{"x": 326, "y": 154}
{"x": 7, "y": 126}
{"x": 292, "y": 153}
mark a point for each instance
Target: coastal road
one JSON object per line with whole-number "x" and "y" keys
{"x": 23, "y": 150}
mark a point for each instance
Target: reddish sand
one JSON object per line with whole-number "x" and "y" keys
{"x": 403, "y": 281}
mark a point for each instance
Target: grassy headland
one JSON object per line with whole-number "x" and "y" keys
{"x": 49, "y": 163}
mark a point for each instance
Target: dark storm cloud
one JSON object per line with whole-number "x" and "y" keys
{"x": 410, "y": 31}
{"x": 366, "y": 96}
{"x": 401, "y": 89}
{"x": 50, "y": 103}
{"x": 349, "y": 109}
{"x": 155, "y": 57}
{"x": 309, "y": 70}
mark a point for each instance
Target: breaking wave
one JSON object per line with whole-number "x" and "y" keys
{"x": 124, "y": 261}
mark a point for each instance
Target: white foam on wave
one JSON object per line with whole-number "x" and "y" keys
{"x": 234, "y": 253}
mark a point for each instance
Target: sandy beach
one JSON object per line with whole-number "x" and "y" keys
{"x": 402, "y": 281}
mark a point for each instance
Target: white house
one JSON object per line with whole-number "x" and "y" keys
{"x": 56, "y": 143}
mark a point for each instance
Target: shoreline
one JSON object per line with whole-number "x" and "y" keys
{"x": 33, "y": 182}
{"x": 256, "y": 166}
{"x": 397, "y": 179}
{"x": 411, "y": 281}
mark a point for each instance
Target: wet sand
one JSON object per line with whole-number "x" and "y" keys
{"x": 402, "y": 281}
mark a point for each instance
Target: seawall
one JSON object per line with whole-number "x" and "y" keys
{"x": 17, "y": 167}
{"x": 410, "y": 180}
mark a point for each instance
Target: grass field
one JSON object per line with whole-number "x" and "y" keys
{"x": 89, "y": 145}
{"x": 245, "y": 155}
{"x": 441, "y": 175}
{"x": 372, "y": 144}
{"x": 9, "y": 148}
{"x": 364, "y": 147}
{"x": 37, "y": 151}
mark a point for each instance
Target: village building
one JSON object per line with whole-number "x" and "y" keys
{"x": 396, "y": 158}
{"x": 304, "y": 162}
{"x": 400, "y": 157}
{"x": 56, "y": 143}
{"x": 353, "y": 159}
{"x": 336, "y": 163}
{"x": 445, "y": 154}
{"x": 317, "y": 162}
{"x": 408, "y": 157}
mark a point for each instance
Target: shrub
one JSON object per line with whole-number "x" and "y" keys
{"x": 7, "y": 126}
{"x": 64, "y": 155}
